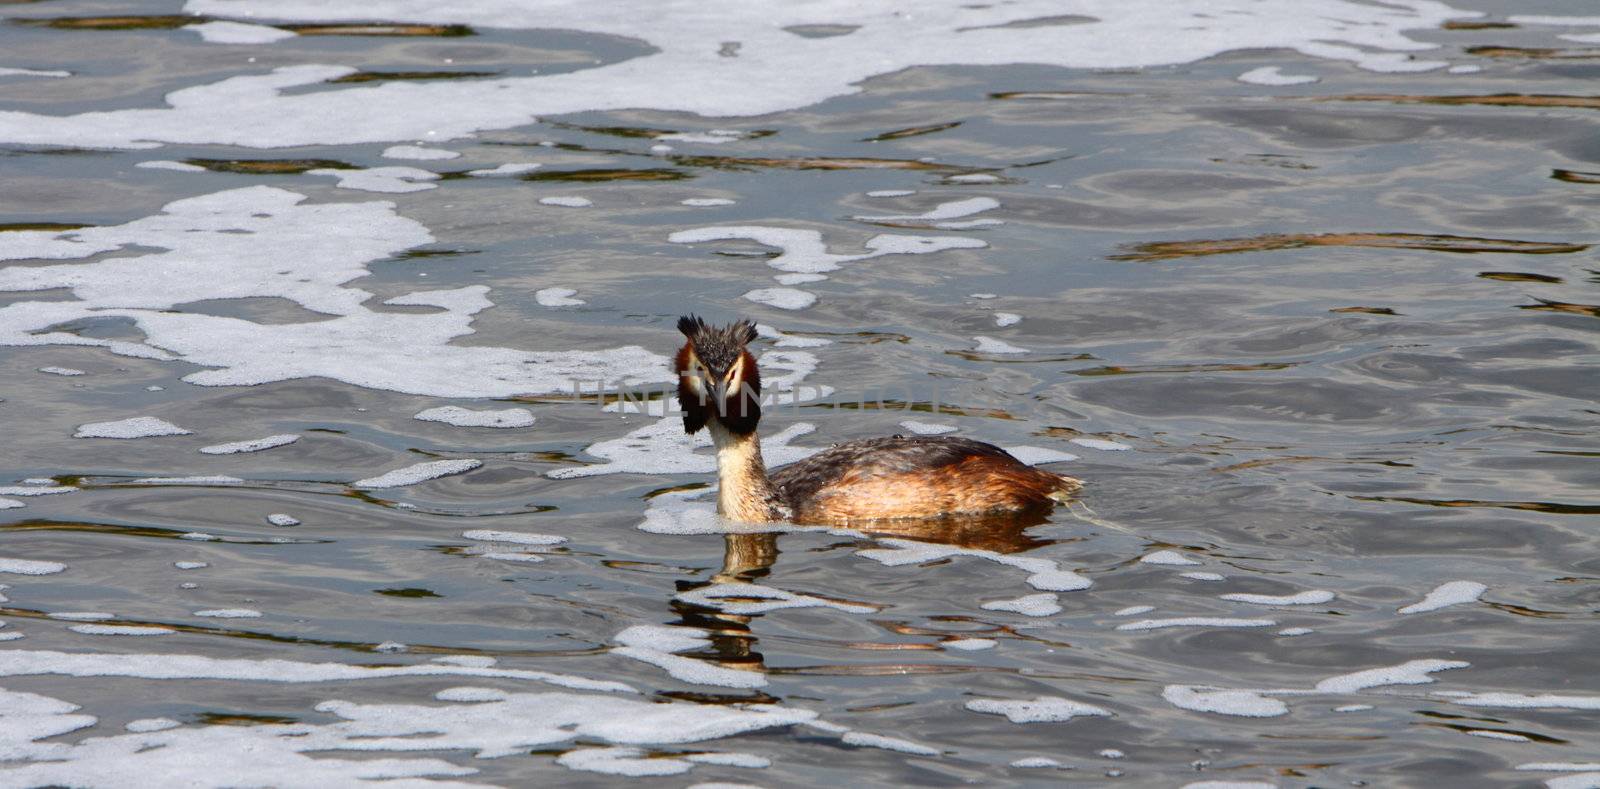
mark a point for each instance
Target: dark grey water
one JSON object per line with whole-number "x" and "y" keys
{"x": 1348, "y": 330}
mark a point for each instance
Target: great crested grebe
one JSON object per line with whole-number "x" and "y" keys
{"x": 900, "y": 477}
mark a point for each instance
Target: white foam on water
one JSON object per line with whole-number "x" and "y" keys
{"x": 11, "y": 635}
{"x": 1230, "y": 785}
{"x": 1571, "y": 767}
{"x": 81, "y": 616}
{"x": 775, "y": 70}
{"x": 68, "y": 371}
{"x": 251, "y": 445}
{"x": 992, "y": 345}
{"x": 199, "y": 536}
{"x": 1446, "y": 594}
{"x": 1043, "y": 709}
{"x": 1468, "y": 68}
{"x": 1035, "y": 762}
{"x": 503, "y": 556}
{"x": 1241, "y": 703}
{"x": 190, "y": 565}
{"x": 1567, "y": 21}
{"x": 1196, "y": 621}
{"x": 1579, "y": 781}
{"x": 24, "y": 663}
{"x": 1172, "y": 558}
{"x": 282, "y": 519}
{"x": 862, "y": 739}
{"x": 238, "y": 756}
{"x": 973, "y": 178}
{"x": 782, "y": 298}
{"x": 1274, "y": 76}
{"x": 557, "y": 297}
{"x": 1498, "y": 735}
{"x": 384, "y": 180}
{"x": 1413, "y": 672}
{"x": 746, "y": 760}
{"x": 1290, "y": 632}
{"x": 798, "y": 279}
{"x": 939, "y": 215}
{"x": 655, "y": 645}
{"x": 419, "y": 153}
{"x": 707, "y": 202}
{"x": 891, "y": 192}
{"x": 804, "y": 252}
{"x": 29, "y": 566}
{"x": 1353, "y": 708}
{"x": 10, "y": 504}
{"x": 1100, "y": 444}
{"x": 1133, "y": 610}
{"x": 711, "y": 137}
{"x": 229, "y": 613}
{"x": 464, "y": 417}
{"x": 525, "y": 720}
{"x": 472, "y": 661}
{"x": 518, "y": 537}
{"x": 418, "y": 473}
{"x": 37, "y": 490}
{"x": 1524, "y": 701}
{"x": 166, "y": 164}
{"x": 1036, "y": 456}
{"x": 1003, "y": 319}
{"x": 143, "y": 725}
{"x": 285, "y": 250}
{"x": 222, "y": 32}
{"x": 566, "y": 201}
{"x": 134, "y": 427}
{"x": 120, "y": 630}
{"x": 928, "y": 428}
{"x": 745, "y": 598}
{"x": 472, "y": 694}
{"x": 692, "y": 512}
{"x": 208, "y": 479}
{"x": 789, "y": 340}
{"x": 6, "y": 71}
{"x": 628, "y": 762}
{"x": 1042, "y": 604}
{"x": 1202, "y": 576}
{"x": 983, "y": 295}
{"x": 1043, "y": 574}
{"x": 1309, "y": 597}
{"x": 1111, "y": 753}
{"x": 507, "y": 169}
{"x": 969, "y": 644}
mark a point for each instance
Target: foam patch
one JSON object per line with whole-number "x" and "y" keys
{"x": 276, "y": 246}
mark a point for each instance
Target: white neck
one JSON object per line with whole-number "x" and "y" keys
{"x": 743, "y": 491}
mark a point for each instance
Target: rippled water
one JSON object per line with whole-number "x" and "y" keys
{"x": 1326, "y": 353}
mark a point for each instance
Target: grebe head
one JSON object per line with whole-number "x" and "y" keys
{"x": 717, "y": 377}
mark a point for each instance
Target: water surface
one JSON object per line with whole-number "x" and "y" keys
{"x": 1345, "y": 329}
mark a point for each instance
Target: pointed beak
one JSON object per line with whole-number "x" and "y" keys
{"x": 719, "y": 390}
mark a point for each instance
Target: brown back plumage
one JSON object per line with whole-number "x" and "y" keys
{"x": 915, "y": 477}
